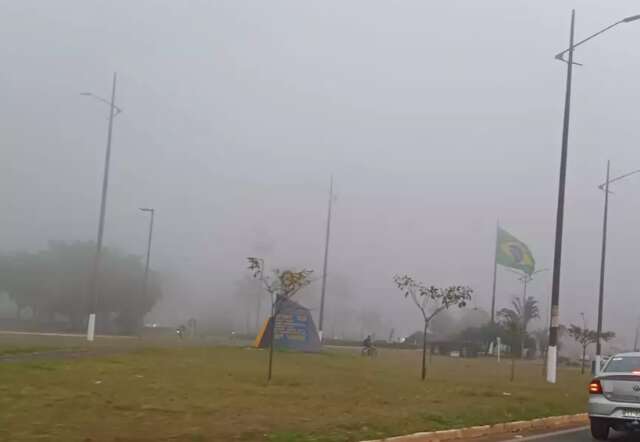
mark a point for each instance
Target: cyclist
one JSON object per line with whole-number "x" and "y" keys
{"x": 367, "y": 347}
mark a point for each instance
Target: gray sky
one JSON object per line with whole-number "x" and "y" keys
{"x": 436, "y": 118}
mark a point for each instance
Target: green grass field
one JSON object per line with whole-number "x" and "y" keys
{"x": 200, "y": 393}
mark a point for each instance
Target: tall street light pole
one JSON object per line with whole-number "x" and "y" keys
{"x": 552, "y": 351}
{"x": 552, "y": 354}
{"x": 603, "y": 256}
{"x": 146, "y": 267}
{"x": 326, "y": 260}
{"x": 93, "y": 282}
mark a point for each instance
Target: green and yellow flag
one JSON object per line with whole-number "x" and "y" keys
{"x": 513, "y": 253}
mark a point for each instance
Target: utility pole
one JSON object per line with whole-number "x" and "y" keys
{"x": 557, "y": 258}
{"x": 326, "y": 259}
{"x": 552, "y": 352}
{"x": 146, "y": 268}
{"x": 93, "y": 283}
{"x": 603, "y": 257}
{"x": 495, "y": 274}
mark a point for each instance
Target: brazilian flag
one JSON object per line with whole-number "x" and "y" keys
{"x": 513, "y": 253}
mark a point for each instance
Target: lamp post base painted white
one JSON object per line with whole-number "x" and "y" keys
{"x": 91, "y": 327}
{"x": 552, "y": 361}
{"x": 499, "y": 348}
{"x": 598, "y": 362}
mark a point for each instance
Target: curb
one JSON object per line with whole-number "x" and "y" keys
{"x": 545, "y": 423}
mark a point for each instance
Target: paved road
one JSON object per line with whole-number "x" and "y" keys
{"x": 580, "y": 435}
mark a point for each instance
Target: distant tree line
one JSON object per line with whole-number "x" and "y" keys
{"x": 54, "y": 283}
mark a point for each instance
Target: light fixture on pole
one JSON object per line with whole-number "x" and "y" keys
{"x": 552, "y": 354}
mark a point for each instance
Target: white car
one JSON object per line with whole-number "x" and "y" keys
{"x": 614, "y": 399}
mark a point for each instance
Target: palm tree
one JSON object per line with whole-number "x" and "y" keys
{"x": 517, "y": 319}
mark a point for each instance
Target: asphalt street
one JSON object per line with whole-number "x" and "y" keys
{"x": 580, "y": 435}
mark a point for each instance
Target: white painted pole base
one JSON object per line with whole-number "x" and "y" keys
{"x": 91, "y": 327}
{"x": 499, "y": 348}
{"x": 552, "y": 363}
{"x": 598, "y": 365}
{"x": 320, "y": 335}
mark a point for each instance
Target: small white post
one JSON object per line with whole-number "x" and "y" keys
{"x": 91, "y": 327}
{"x": 499, "y": 345}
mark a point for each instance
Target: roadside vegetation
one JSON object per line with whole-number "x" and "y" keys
{"x": 202, "y": 393}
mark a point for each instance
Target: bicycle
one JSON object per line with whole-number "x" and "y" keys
{"x": 371, "y": 352}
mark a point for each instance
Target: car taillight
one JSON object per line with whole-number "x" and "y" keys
{"x": 595, "y": 387}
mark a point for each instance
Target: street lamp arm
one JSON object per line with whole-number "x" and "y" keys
{"x": 560, "y": 55}
{"x": 618, "y": 178}
{"x": 94, "y": 96}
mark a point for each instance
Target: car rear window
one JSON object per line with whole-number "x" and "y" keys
{"x": 622, "y": 364}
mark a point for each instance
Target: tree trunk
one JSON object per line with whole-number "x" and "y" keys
{"x": 513, "y": 366}
{"x": 424, "y": 351}
{"x": 584, "y": 355}
{"x": 271, "y": 342}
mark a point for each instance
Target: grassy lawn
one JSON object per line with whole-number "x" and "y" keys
{"x": 202, "y": 393}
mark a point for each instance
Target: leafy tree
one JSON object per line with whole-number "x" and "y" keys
{"x": 54, "y": 281}
{"x": 431, "y": 301}
{"x": 585, "y": 337}
{"x": 483, "y": 335}
{"x": 281, "y": 285}
{"x": 516, "y": 320}
{"x": 452, "y": 323}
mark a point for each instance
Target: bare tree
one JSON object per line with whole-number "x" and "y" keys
{"x": 431, "y": 301}
{"x": 584, "y": 337}
{"x": 281, "y": 285}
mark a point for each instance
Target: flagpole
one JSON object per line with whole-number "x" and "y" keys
{"x": 326, "y": 258}
{"x": 495, "y": 273}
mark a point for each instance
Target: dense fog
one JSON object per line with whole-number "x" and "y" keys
{"x": 436, "y": 120}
